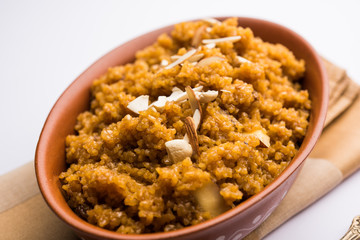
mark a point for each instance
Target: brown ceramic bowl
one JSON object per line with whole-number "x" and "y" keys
{"x": 233, "y": 224}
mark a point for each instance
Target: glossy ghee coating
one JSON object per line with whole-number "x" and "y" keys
{"x": 120, "y": 176}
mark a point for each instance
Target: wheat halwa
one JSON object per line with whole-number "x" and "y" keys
{"x": 121, "y": 174}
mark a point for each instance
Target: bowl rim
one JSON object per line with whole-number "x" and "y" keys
{"x": 92, "y": 230}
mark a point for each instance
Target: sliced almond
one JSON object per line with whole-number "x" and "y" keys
{"x": 192, "y": 134}
{"x": 196, "y": 57}
{"x": 193, "y": 58}
{"x": 264, "y": 139}
{"x": 176, "y": 89}
{"x": 219, "y": 40}
{"x": 181, "y": 59}
{"x": 212, "y": 21}
{"x": 164, "y": 62}
{"x": 210, "y": 45}
{"x": 223, "y": 90}
{"x": 178, "y": 96}
{"x": 175, "y": 57}
{"x": 160, "y": 103}
{"x": 139, "y": 104}
{"x": 178, "y": 150}
{"x": 194, "y": 101}
{"x": 242, "y": 60}
{"x": 208, "y": 96}
{"x": 209, "y": 60}
{"x": 198, "y": 89}
{"x": 210, "y": 199}
{"x": 197, "y": 36}
{"x": 197, "y": 118}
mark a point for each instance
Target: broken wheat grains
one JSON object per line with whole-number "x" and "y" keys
{"x": 120, "y": 176}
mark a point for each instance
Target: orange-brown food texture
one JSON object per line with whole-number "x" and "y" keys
{"x": 119, "y": 175}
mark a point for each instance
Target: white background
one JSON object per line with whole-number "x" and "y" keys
{"x": 45, "y": 45}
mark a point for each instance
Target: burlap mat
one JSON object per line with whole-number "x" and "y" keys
{"x": 25, "y": 215}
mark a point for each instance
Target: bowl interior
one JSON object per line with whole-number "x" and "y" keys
{"x": 50, "y": 153}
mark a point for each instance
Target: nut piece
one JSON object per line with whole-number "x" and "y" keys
{"x": 164, "y": 62}
{"x": 264, "y": 139}
{"x": 227, "y": 91}
{"x": 196, "y": 57}
{"x": 140, "y": 103}
{"x": 242, "y": 60}
{"x": 210, "y": 45}
{"x": 197, "y": 118}
{"x": 160, "y": 103}
{"x": 210, "y": 200}
{"x": 192, "y": 134}
{"x": 178, "y": 96}
{"x": 178, "y": 149}
{"x": 197, "y": 36}
{"x": 209, "y": 60}
{"x": 181, "y": 59}
{"x": 194, "y": 101}
{"x": 219, "y": 40}
{"x": 193, "y": 58}
{"x": 205, "y": 97}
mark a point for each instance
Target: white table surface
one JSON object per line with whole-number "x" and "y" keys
{"x": 45, "y": 45}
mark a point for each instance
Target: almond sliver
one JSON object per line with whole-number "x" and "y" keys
{"x": 181, "y": 59}
{"x": 242, "y": 60}
{"x": 219, "y": 40}
{"x": 209, "y": 60}
{"x": 140, "y": 103}
{"x": 194, "y": 101}
{"x": 160, "y": 103}
{"x": 205, "y": 97}
{"x": 197, "y": 118}
{"x": 263, "y": 138}
{"x": 192, "y": 134}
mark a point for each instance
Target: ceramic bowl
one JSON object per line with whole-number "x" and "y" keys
{"x": 233, "y": 224}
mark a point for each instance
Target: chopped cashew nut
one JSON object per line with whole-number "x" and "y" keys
{"x": 192, "y": 134}
{"x": 181, "y": 59}
{"x": 178, "y": 149}
{"x": 219, "y": 40}
{"x": 140, "y": 103}
{"x": 209, "y": 60}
